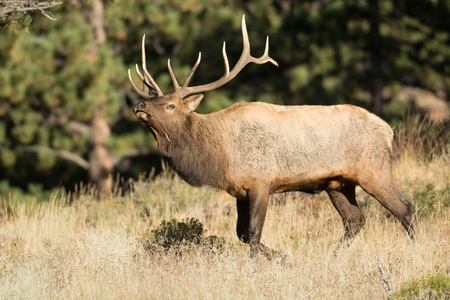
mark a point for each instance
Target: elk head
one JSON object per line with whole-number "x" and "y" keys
{"x": 160, "y": 112}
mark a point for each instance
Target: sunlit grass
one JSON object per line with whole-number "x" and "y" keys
{"x": 75, "y": 247}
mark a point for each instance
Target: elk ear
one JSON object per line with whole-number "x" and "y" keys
{"x": 193, "y": 101}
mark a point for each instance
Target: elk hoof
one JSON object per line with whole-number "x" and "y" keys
{"x": 272, "y": 255}
{"x": 284, "y": 258}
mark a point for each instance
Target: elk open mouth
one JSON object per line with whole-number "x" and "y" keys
{"x": 142, "y": 115}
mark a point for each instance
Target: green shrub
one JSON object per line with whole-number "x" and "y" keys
{"x": 429, "y": 200}
{"x": 173, "y": 233}
{"x": 435, "y": 286}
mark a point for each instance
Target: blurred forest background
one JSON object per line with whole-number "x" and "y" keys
{"x": 64, "y": 117}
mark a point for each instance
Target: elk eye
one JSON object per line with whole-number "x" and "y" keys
{"x": 170, "y": 106}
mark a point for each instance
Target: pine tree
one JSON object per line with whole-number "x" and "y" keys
{"x": 64, "y": 86}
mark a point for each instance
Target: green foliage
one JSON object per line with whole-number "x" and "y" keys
{"x": 429, "y": 200}
{"x": 10, "y": 195}
{"x": 15, "y": 22}
{"x": 432, "y": 286}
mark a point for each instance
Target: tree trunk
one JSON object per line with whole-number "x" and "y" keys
{"x": 100, "y": 161}
{"x": 377, "y": 98}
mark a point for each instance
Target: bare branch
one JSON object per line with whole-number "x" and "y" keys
{"x": 60, "y": 153}
{"x": 17, "y": 6}
{"x": 78, "y": 127}
{"x": 79, "y": 160}
{"x": 48, "y": 14}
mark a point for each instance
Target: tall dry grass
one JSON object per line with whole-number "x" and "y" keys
{"x": 86, "y": 249}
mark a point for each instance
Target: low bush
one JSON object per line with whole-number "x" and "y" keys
{"x": 174, "y": 234}
{"x": 432, "y": 286}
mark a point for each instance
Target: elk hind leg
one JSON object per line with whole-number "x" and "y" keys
{"x": 382, "y": 188}
{"x": 345, "y": 203}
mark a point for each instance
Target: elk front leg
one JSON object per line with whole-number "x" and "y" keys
{"x": 243, "y": 213}
{"x": 251, "y": 216}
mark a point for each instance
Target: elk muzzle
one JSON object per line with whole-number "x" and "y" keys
{"x": 140, "y": 111}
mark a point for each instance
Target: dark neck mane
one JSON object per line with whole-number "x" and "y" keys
{"x": 196, "y": 152}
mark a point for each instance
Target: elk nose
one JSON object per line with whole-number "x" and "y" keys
{"x": 138, "y": 106}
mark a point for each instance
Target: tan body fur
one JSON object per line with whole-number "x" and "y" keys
{"x": 292, "y": 147}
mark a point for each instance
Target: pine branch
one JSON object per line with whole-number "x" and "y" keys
{"x": 16, "y": 6}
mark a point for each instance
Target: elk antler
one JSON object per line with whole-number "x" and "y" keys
{"x": 147, "y": 80}
{"x": 245, "y": 59}
{"x": 185, "y": 90}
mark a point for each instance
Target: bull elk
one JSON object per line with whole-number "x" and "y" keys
{"x": 254, "y": 150}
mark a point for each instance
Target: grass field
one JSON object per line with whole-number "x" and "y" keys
{"x": 89, "y": 249}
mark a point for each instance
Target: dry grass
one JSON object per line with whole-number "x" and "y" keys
{"x": 93, "y": 250}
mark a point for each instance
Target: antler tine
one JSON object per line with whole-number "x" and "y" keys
{"x": 148, "y": 77}
{"x": 141, "y": 93}
{"x": 146, "y": 86}
{"x": 245, "y": 38}
{"x": 147, "y": 80}
{"x": 225, "y": 60}
{"x": 246, "y": 56}
{"x": 188, "y": 77}
{"x": 266, "y": 54}
{"x": 172, "y": 75}
{"x": 245, "y": 59}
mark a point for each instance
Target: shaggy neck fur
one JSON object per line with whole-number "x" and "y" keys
{"x": 196, "y": 151}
